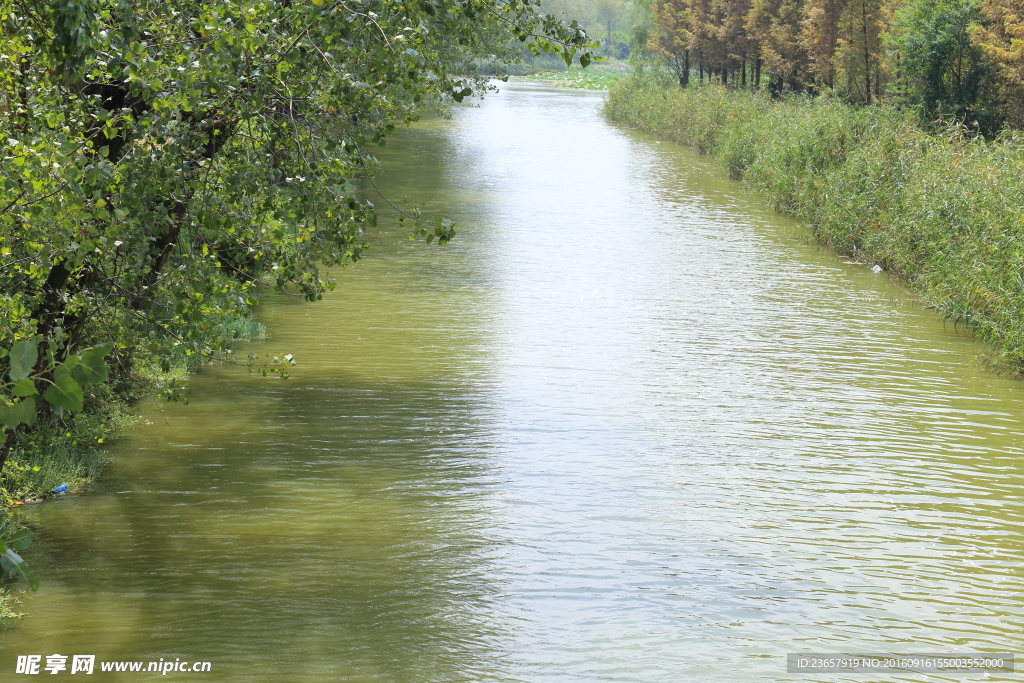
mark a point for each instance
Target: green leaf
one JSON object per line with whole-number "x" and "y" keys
{"x": 103, "y": 349}
{"x": 22, "y": 412}
{"x": 25, "y": 410}
{"x": 21, "y": 540}
{"x": 23, "y": 358}
{"x": 91, "y": 368}
{"x": 13, "y": 566}
{"x": 24, "y": 387}
{"x": 9, "y": 564}
{"x": 65, "y": 393}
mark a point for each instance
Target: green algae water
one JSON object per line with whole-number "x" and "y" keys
{"x": 628, "y": 426}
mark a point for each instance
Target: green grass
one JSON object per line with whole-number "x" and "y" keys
{"x": 66, "y": 452}
{"x": 943, "y": 211}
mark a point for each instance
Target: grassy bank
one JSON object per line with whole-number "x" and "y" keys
{"x": 942, "y": 211}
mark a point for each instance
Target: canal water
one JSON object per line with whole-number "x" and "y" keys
{"x": 629, "y": 426}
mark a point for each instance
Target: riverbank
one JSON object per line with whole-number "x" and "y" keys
{"x": 942, "y": 211}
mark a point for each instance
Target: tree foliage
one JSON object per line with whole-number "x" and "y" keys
{"x": 161, "y": 160}
{"x": 608, "y": 20}
{"x": 943, "y": 57}
{"x": 942, "y": 70}
{"x": 1001, "y": 38}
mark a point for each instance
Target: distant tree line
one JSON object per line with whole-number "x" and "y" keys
{"x": 608, "y": 21}
{"x": 954, "y": 59}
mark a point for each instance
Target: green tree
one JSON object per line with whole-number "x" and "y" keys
{"x": 941, "y": 71}
{"x": 161, "y": 160}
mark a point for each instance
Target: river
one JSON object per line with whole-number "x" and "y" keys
{"x": 630, "y": 425}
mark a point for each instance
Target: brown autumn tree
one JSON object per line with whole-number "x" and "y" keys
{"x": 859, "y": 50}
{"x": 1002, "y": 41}
{"x": 671, "y": 36}
{"x": 704, "y": 41}
{"x": 738, "y": 46}
{"x": 820, "y": 37}
{"x": 775, "y": 26}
